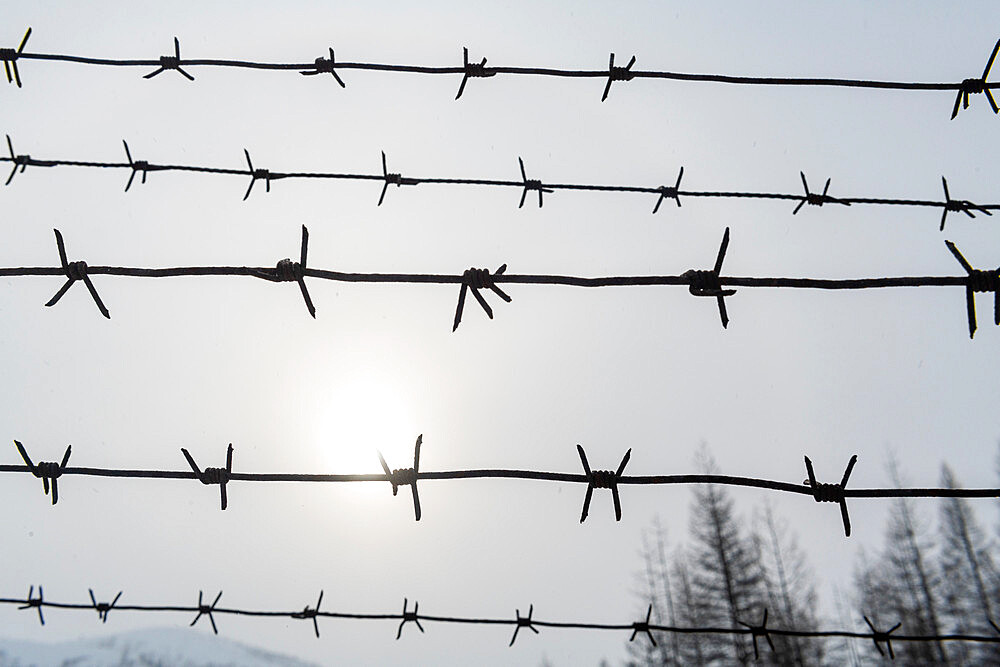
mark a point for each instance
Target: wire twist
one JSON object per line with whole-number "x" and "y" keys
{"x": 207, "y": 609}
{"x": 406, "y": 476}
{"x": 210, "y": 476}
{"x": 977, "y": 281}
{"x": 472, "y": 71}
{"x": 643, "y": 626}
{"x": 883, "y": 637}
{"x": 523, "y": 622}
{"x": 759, "y": 631}
{"x": 477, "y": 279}
{"x": 409, "y": 617}
{"x": 325, "y": 66}
{"x": 308, "y": 613}
{"x": 47, "y": 471}
{"x": 977, "y": 86}
{"x": 102, "y": 608}
{"x": 602, "y": 479}
{"x": 708, "y": 283}
{"x": 617, "y": 74}
{"x": 9, "y": 58}
{"x": 832, "y": 493}
{"x": 171, "y": 62}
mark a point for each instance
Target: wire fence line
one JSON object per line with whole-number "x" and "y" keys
{"x": 20, "y": 162}
{"x": 479, "y": 70}
{"x": 700, "y": 282}
{"x": 644, "y": 627}
{"x": 50, "y": 472}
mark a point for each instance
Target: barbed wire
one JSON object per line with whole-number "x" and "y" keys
{"x": 700, "y": 282}
{"x": 50, "y": 472}
{"x": 470, "y": 70}
{"x": 19, "y": 163}
{"x": 645, "y": 627}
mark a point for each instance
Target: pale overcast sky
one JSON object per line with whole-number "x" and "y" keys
{"x": 202, "y": 362}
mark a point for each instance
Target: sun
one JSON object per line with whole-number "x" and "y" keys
{"x": 365, "y": 413}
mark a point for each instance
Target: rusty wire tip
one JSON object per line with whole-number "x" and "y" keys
{"x": 602, "y": 479}
{"x": 103, "y": 608}
{"x": 171, "y": 62}
{"x": 832, "y": 493}
{"x": 324, "y": 66}
{"x": 617, "y": 74}
{"x": 471, "y": 70}
{"x": 310, "y": 613}
{"x": 667, "y": 192}
{"x": 36, "y": 603}
{"x": 708, "y": 283}
{"x": 392, "y": 179}
{"x": 759, "y": 631}
{"x": 477, "y": 279}
{"x": 523, "y": 622}
{"x": 210, "y": 476}
{"x": 46, "y": 470}
{"x": 405, "y": 476}
{"x": 977, "y": 86}
{"x": 206, "y": 610}
{"x": 643, "y": 626}
{"x": 9, "y": 58}
{"x": 136, "y": 165}
{"x": 75, "y": 271}
{"x": 977, "y": 281}
{"x": 530, "y": 184}
{"x": 959, "y": 205}
{"x": 409, "y": 616}
{"x": 255, "y": 175}
{"x": 882, "y": 637}
{"x": 814, "y": 199}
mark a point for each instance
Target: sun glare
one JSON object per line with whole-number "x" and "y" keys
{"x": 362, "y": 415}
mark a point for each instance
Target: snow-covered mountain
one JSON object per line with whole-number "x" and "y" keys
{"x": 161, "y": 647}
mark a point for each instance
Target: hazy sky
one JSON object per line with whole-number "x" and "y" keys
{"x": 202, "y": 362}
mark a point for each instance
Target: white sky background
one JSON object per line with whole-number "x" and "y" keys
{"x": 201, "y": 362}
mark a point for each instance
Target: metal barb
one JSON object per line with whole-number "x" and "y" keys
{"x": 882, "y": 637}
{"x": 407, "y": 617}
{"x": 814, "y": 199}
{"x": 311, "y": 613}
{"x": 671, "y": 193}
{"x": 708, "y": 283}
{"x": 322, "y": 66}
{"x": 36, "y": 603}
{"x": 523, "y": 622}
{"x": 406, "y": 476}
{"x": 171, "y": 62}
{"x": 210, "y": 476}
{"x": 46, "y": 470}
{"x": 288, "y": 271}
{"x": 602, "y": 479}
{"x": 257, "y": 174}
{"x": 759, "y": 631}
{"x": 643, "y": 626}
{"x": 471, "y": 70}
{"x": 206, "y": 610}
{"x": 832, "y": 493}
{"x": 9, "y": 58}
{"x": 477, "y": 279}
{"x": 978, "y": 281}
{"x": 530, "y": 184}
{"x": 75, "y": 271}
{"x": 22, "y": 162}
{"x": 103, "y": 608}
{"x": 392, "y": 179}
{"x": 976, "y": 86}
{"x": 136, "y": 165}
{"x": 959, "y": 205}
{"x": 617, "y": 74}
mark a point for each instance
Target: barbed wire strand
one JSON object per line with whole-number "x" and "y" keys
{"x": 594, "y": 479}
{"x": 645, "y": 627}
{"x": 20, "y": 162}
{"x": 613, "y": 73}
{"x": 700, "y": 282}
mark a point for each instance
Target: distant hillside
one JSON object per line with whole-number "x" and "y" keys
{"x": 163, "y": 647}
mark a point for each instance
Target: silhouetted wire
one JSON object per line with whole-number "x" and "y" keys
{"x": 838, "y": 493}
{"x": 526, "y": 185}
{"x": 700, "y": 282}
{"x": 321, "y": 65}
{"x": 413, "y": 616}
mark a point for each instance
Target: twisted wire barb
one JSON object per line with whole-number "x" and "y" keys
{"x": 699, "y": 282}
{"x": 592, "y": 478}
{"x": 526, "y": 185}
{"x": 964, "y": 88}
{"x": 408, "y": 616}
